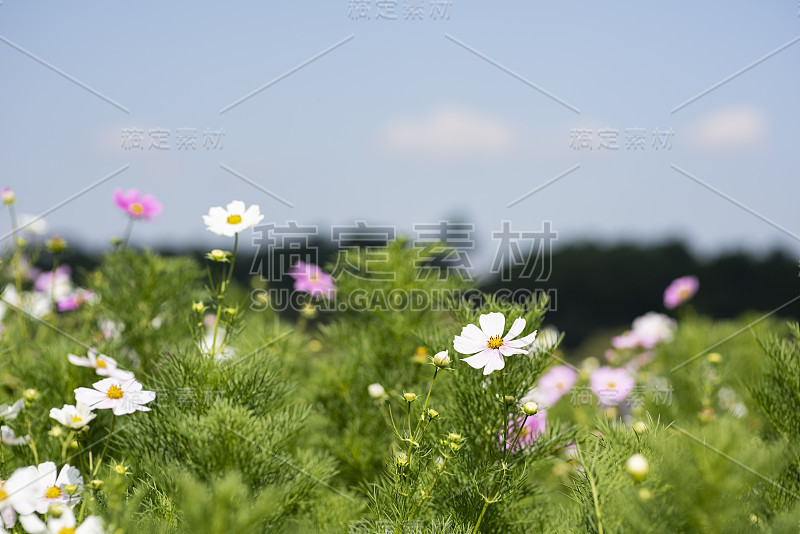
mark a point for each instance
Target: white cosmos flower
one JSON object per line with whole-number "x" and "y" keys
{"x": 102, "y": 364}
{"x": 488, "y": 344}
{"x": 376, "y": 391}
{"x": 232, "y": 219}
{"x": 73, "y": 417}
{"x": 8, "y": 437}
{"x": 122, "y": 397}
{"x": 10, "y": 412}
{"x": 18, "y": 494}
{"x": 51, "y": 487}
{"x": 65, "y": 523}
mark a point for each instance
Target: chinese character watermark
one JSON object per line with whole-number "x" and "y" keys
{"x": 609, "y": 139}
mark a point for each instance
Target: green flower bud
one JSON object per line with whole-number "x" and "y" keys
{"x": 530, "y": 408}
{"x": 410, "y": 397}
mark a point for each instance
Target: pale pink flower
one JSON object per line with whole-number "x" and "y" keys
{"x": 75, "y": 300}
{"x": 122, "y": 397}
{"x": 680, "y": 290}
{"x": 58, "y": 286}
{"x": 555, "y": 384}
{"x": 611, "y": 385}
{"x": 102, "y": 364}
{"x": 311, "y": 279}
{"x": 533, "y": 427}
{"x": 137, "y": 206}
{"x": 488, "y": 344}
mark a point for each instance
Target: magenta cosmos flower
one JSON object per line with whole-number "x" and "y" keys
{"x": 555, "y": 383}
{"x": 487, "y": 343}
{"x": 530, "y": 431}
{"x": 310, "y": 278}
{"x": 680, "y": 290}
{"x": 137, "y": 206}
{"x": 611, "y": 385}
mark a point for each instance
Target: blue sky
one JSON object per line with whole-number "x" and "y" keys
{"x": 410, "y": 121}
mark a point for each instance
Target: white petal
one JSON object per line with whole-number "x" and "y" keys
{"x": 32, "y": 524}
{"x": 479, "y": 360}
{"x": 47, "y": 473}
{"x": 516, "y": 329}
{"x": 523, "y": 341}
{"x": 493, "y": 324}
{"x": 217, "y": 213}
{"x": 81, "y": 362}
{"x": 495, "y": 363}
{"x": 468, "y": 346}
{"x": 235, "y": 207}
{"x": 507, "y": 350}
{"x": 474, "y": 333}
{"x": 90, "y": 525}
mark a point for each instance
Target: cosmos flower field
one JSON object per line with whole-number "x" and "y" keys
{"x": 161, "y": 395}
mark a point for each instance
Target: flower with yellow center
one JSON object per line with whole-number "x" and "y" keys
{"x": 74, "y": 417}
{"x": 102, "y": 364}
{"x": 120, "y": 397}
{"x": 63, "y": 523}
{"x": 52, "y": 484}
{"x": 487, "y": 344}
{"x": 232, "y": 219}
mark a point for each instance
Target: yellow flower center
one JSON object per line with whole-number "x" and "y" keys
{"x": 137, "y": 208}
{"x": 612, "y": 385}
{"x": 76, "y": 419}
{"x": 67, "y": 530}
{"x": 53, "y": 493}
{"x": 3, "y": 495}
{"x": 101, "y": 364}
{"x": 114, "y": 392}
{"x": 684, "y": 293}
{"x": 234, "y": 219}
{"x": 495, "y": 342}
{"x": 560, "y": 386}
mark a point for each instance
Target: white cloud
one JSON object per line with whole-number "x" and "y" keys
{"x": 729, "y": 128}
{"x": 449, "y": 132}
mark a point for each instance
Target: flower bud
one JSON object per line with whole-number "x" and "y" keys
{"x": 433, "y": 414}
{"x": 402, "y": 459}
{"x": 530, "y": 408}
{"x": 638, "y": 467}
{"x": 55, "y": 431}
{"x": 56, "y": 245}
{"x": 639, "y": 427}
{"x": 508, "y": 399}
{"x": 410, "y": 397}
{"x": 376, "y": 391}
{"x": 71, "y": 489}
{"x": 198, "y": 307}
{"x": 31, "y": 395}
{"x": 219, "y": 256}
{"x": 120, "y": 469}
{"x": 454, "y": 437}
{"x": 96, "y": 484}
{"x": 308, "y": 311}
{"x": 8, "y": 196}
{"x": 74, "y": 444}
{"x": 442, "y": 359}
{"x": 645, "y": 494}
{"x": 115, "y": 241}
{"x": 22, "y": 243}
{"x": 420, "y": 355}
{"x": 230, "y": 311}
{"x": 714, "y": 357}
{"x": 55, "y": 510}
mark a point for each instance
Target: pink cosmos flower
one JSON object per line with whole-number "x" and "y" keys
{"x": 310, "y": 278}
{"x": 487, "y": 343}
{"x": 555, "y": 384}
{"x": 611, "y": 385}
{"x": 137, "y": 206}
{"x": 122, "y": 397}
{"x": 74, "y": 301}
{"x": 534, "y": 427}
{"x": 59, "y": 286}
{"x": 680, "y": 290}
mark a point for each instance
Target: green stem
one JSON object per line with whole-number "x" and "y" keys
{"x": 64, "y": 446}
{"x": 593, "y": 486}
{"x": 429, "y": 490}
{"x": 105, "y": 447}
{"x": 233, "y": 260}
{"x": 505, "y": 407}
{"x": 427, "y": 398}
{"x": 53, "y": 284}
{"x": 127, "y": 234}
{"x": 220, "y": 291}
{"x": 483, "y": 512}
{"x": 519, "y": 432}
